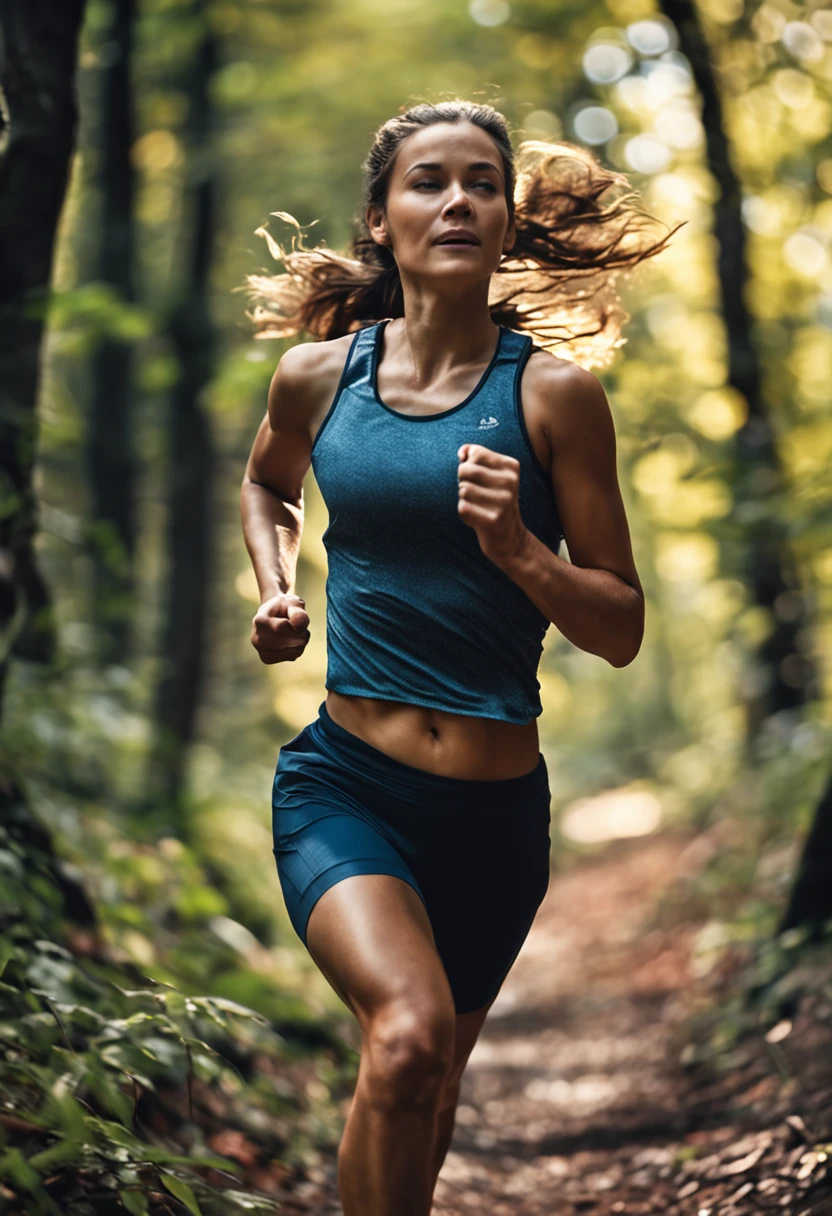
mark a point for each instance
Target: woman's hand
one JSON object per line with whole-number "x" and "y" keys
{"x": 280, "y": 629}
{"x": 489, "y": 501}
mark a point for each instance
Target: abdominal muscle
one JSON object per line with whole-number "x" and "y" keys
{"x": 450, "y": 745}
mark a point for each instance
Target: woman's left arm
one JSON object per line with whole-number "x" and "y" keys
{"x": 595, "y": 599}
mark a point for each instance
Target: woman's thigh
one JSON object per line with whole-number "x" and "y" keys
{"x": 371, "y": 937}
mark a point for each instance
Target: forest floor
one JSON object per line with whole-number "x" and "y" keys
{"x": 580, "y": 1095}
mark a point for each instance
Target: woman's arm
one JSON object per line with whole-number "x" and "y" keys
{"x": 271, "y": 510}
{"x": 595, "y": 599}
{"x": 271, "y": 496}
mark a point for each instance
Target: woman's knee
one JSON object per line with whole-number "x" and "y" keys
{"x": 407, "y": 1052}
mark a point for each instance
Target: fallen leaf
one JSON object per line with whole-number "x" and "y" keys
{"x": 744, "y": 1163}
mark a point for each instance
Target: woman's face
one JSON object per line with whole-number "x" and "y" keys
{"x": 446, "y": 176}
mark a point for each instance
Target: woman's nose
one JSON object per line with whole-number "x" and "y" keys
{"x": 458, "y": 201}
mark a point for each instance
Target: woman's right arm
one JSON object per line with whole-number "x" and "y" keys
{"x": 271, "y": 508}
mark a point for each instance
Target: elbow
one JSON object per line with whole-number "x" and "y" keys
{"x": 630, "y": 635}
{"x": 624, "y": 658}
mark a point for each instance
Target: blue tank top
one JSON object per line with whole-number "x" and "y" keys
{"x": 415, "y": 611}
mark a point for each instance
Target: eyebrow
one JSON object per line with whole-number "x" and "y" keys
{"x": 428, "y": 164}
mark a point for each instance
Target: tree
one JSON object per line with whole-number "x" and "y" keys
{"x": 38, "y": 125}
{"x": 771, "y": 568}
{"x": 789, "y": 678}
{"x": 191, "y": 450}
{"x": 110, "y": 462}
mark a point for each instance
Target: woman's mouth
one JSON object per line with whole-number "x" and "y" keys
{"x": 459, "y": 239}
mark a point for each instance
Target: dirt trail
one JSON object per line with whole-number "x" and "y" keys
{"x": 575, "y": 1099}
{"x": 570, "y": 1064}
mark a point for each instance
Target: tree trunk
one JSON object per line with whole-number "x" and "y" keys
{"x": 191, "y": 456}
{"x": 788, "y": 677}
{"x": 38, "y": 123}
{"x": 810, "y": 902}
{"x": 110, "y": 462}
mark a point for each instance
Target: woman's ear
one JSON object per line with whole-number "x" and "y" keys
{"x": 377, "y": 225}
{"x": 510, "y": 237}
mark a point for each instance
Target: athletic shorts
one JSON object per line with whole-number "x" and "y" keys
{"x": 476, "y": 852}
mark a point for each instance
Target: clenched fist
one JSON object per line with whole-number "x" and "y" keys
{"x": 280, "y": 629}
{"x": 489, "y": 500}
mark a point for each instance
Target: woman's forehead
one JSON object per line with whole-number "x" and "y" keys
{"x": 445, "y": 142}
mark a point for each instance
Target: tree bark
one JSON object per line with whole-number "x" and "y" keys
{"x": 38, "y": 124}
{"x": 788, "y": 676}
{"x": 810, "y": 901}
{"x": 191, "y": 456}
{"x": 111, "y": 468}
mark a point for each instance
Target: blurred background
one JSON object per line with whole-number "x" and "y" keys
{"x": 140, "y": 729}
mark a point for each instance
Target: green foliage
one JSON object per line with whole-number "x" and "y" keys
{"x": 91, "y": 312}
{"x": 85, "y": 1055}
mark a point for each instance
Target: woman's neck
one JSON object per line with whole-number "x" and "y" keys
{"x": 443, "y": 331}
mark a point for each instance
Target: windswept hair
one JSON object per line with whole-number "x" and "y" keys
{"x": 557, "y": 282}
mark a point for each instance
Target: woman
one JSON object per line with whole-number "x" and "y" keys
{"x": 411, "y": 819}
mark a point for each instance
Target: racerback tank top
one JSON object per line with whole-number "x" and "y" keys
{"x": 415, "y": 611}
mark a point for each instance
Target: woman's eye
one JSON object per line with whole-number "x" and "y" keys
{"x": 488, "y": 185}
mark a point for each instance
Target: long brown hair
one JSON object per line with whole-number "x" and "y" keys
{"x": 556, "y": 282}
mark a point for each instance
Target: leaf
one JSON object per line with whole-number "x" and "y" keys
{"x": 70, "y": 1116}
{"x": 135, "y": 1202}
{"x": 6, "y": 953}
{"x": 109, "y": 1094}
{"x": 216, "y": 1054}
{"x": 175, "y": 1004}
{"x": 186, "y": 1038}
{"x": 182, "y": 1192}
{"x": 135, "y": 992}
{"x": 243, "y": 1011}
{"x": 57, "y": 1154}
{"x": 161, "y": 1156}
{"x": 116, "y": 1134}
{"x": 15, "y": 1166}
{"x": 744, "y": 1164}
{"x": 136, "y": 1018}
{"x": 47, "y": 947}
{"x": 203, "y": 1007}
{"x": 82, "y": 1016}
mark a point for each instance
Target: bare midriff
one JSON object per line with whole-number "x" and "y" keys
{"x": 448, "y": 744}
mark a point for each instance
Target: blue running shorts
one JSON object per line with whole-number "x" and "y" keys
{"x": 476, "y": 852}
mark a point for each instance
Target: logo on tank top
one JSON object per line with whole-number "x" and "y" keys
{"x": 487, "y": 423}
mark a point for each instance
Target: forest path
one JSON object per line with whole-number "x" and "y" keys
{"x": 575, "y": 1099}
{"x": 569, "y": 1069}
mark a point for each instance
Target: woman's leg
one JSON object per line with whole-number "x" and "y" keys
{"x": 371, "y": 937}
{"x": 468, "y": 1027}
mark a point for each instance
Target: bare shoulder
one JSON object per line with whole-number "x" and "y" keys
{"x": 305, "y": 382}
{"x": 568, "y": 401}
